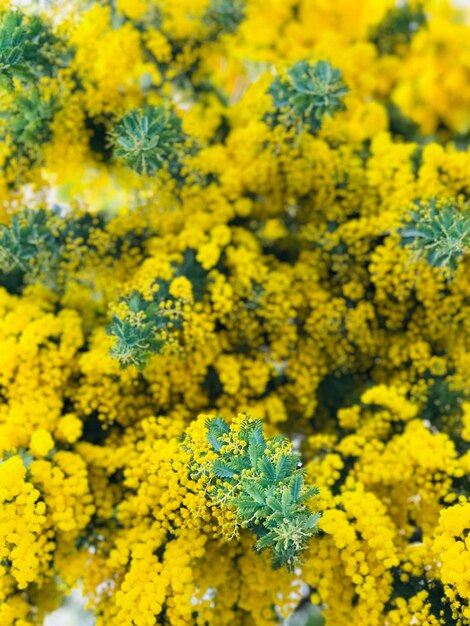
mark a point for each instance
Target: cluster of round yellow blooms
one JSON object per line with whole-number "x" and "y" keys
{"x": 452, "y": 550}
{"x": 222, "y": 208}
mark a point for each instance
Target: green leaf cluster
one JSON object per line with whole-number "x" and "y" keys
{"x": 137, "y": 335}
{"x": 224, "y": 16}
{"x": 263, "y": 481}
{"x": 398, "y": 28}
{"x": 25, "y": 48}
{"x": 25, "y": 240}
{"x": 149, "y": 140}
{"x": 149, "y": 324}
{"x": 307, "y": 94}
{"x": 37, "y": 244}
{"x": 134, "y": 342}
{"x": 29, "y": 123}
{"x": 438, "y": 232}
{"x": 28, "y": 51}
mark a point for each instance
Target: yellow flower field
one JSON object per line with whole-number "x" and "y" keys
{"x": 235, "y": 295}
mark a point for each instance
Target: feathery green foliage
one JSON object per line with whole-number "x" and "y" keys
{"x": 24, "y": 240}
{"x": 25, "y": 48}
{"x": 29, "y": 123}
{"x": 307, "y": 94}
{"x": 134, "y": 342}
{"x": 37, "y": 245}
{"x": 438, "y": 233}
{"x": 224, "y": 16}
{"x": 150, "y": 324}
{"x": 149, "y": 139}
{"x": 262, "y": 480}
{"x": 397, "y": 28}
{"x": 26, "y": 53}
{"x": 136, "y": 335}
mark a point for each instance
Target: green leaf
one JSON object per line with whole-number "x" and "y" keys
{"x": 313, "y": 520}
{"x": 267, "y": 468}
{"x": 255, "y": 491}
{"x": 256, "y": 436}
{"x": 221, "y": 470}
{"x": 25, "y": 48}
{"x": 216, "y": 428}
{"x": 438, "y": 232}
{"x": 267, "y": 486}
{"x": 307, "y": 94}
{"x": 284, "y": 467}
{"x": 286, "y": 500}
{"x": 265, "y": 542}
{"x": 311, "y": 492}
{"x": 149, "y": 139}
{"x": 255, "y": 452}
{"x": 296, "y": 484}
{"x": 274, "y": 503}
{"x": 22, "y": 242}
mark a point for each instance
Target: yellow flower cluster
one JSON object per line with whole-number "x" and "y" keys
{"x": 24, "y": 540}
{"x": 263, "y": 271}
{"x": 452, "y": 550}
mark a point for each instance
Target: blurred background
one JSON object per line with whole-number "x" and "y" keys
{"x": 71, "y": 613}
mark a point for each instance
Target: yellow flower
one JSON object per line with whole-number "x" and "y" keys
{"x": 41, "y": 443}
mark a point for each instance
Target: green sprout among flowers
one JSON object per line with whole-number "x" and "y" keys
{"x": 224, "y": 16}
{"x": 25, "y": 48}
{"x": 307, "y": 93}
{"x": 150, "y": 325}
{"x": 438, "y": 233}
{"x": 398, "y": 28}
{"x": 263, "y": 482}
{"x": 149, "y": 139}
{"x": 145, "y": 330}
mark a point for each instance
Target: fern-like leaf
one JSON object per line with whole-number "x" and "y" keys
{"x": 216, "y": 428}
{"x": 261, "y": 484}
